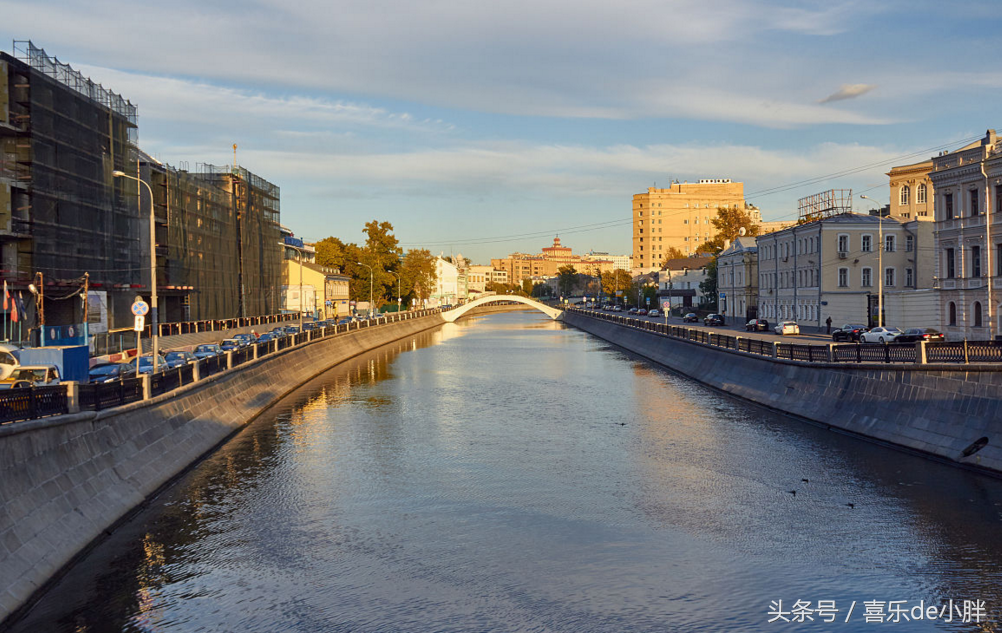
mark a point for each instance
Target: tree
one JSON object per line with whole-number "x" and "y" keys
{"x": 331, "y": 253}
{"x": 382, "y": 253}
{"x": 728, "y": 223}
{"x": 673, "y": 252}
{"x": 566, "y": 277}
{"x": 526, "y": 288}
{"x": 418, "y": 275}
{"x": 616, "y": 280}
{"x": 708, "y": 287}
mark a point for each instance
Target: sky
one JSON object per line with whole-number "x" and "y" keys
{"x": 485, "y": 128}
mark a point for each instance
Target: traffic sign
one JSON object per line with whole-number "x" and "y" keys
{"x": 140, "y": 323}
{"x": 140, "y": 308}
{"x": 666, "y": 305}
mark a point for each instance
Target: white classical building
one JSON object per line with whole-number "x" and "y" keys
{"x": 450, "y": 286}
{"x": 737, "y": 280}
{"x": 968, "y": 253}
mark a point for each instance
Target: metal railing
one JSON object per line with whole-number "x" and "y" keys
{"x": 35, "y": 402}
{"x": 933, "y": 352}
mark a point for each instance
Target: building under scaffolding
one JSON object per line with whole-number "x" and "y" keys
{"x": 217, "y": 233}
{"x": 61, "y": 212}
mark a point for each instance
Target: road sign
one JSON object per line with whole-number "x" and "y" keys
{"x": 140, "y": 323}
{"x": 140, "y": 308}
{"x": 648, "y": 300}
{"x": 666, "y": 305}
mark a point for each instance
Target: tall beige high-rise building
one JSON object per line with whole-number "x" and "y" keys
{"x": 680, "y": 216}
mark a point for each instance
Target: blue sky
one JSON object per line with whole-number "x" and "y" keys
{"x": 484, "y": 128}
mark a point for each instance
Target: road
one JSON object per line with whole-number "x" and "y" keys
{"x": 738, "y": 330}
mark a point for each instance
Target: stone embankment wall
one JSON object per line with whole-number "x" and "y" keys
{"x": 938, "y": 410}
{"x": 66, "y": 480}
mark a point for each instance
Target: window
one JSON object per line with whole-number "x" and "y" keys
{"x": 867, "y": 279}
{"x": 951, "y": 270}
{"x": 905, "y": 190}
{"x": 920, "y": 194}
{"x": 889, "y": 277}
{"x": 998, "y": 259}
{"x": 976, "y": 308}
{"x": 888, "y": 243}
{"x": 867, "y": 244}
{"x": 909, "y": 277}
{"x": 843, "y": 243}
{"x": 843, "y": 277}
{"x": 948, "y": 205}
{"x": 909, "y": 243}
{"x": 953, "y": 314}
{"x": 975, "y": 261}
{"x": 974, "y": 201}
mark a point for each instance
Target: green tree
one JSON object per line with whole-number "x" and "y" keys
{"x": 673, "y": 252}
{"x": 418, "y": 275}
{"x": 382, "y": 253}
{"x": 566, "y": 278}
{"x": 728, "y": 223}
{"x": 331, "y": 252}
{"x": 708, "y": 287}
{"x": 616, "y": 280}
{"x": 526, "y": 288}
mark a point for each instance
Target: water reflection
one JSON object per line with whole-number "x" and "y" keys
{"x": 505, "y": 473}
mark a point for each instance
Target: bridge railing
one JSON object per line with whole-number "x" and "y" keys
{"x": 29, "y": 403}
{"x": 918, "y": 353}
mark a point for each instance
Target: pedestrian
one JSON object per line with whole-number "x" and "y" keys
{"x": 828, "y": 322}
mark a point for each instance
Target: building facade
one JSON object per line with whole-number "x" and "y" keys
{"x": 737, "y": 280}
{"x": 912, "y": 194}
{"x": 680, "y": 279}
{"x": 841, "y": 267}
{"x": 968, "y": 252}
{"x": 521, "y": 266}
{"x": 679, "y": 217}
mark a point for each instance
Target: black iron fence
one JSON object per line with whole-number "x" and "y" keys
{"x": 915, "y": 353}
{"x": 35, "y": 402}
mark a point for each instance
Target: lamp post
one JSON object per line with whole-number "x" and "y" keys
{"x": 398, "y": 288}
{"x": 300, "y": 253}
{"x": 880, "y": 262}
{"x": 154, "y": 321}
{"x": 370, "y": 285}
{"x": 39, "y": 292}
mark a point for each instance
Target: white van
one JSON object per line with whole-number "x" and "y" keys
{"x": 9, "y": 356}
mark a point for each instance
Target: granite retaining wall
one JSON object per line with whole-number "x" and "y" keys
{"x": 66, "y": 480}
{"x": 937, "y": 410}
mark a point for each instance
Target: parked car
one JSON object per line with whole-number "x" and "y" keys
{"x": 787, "y": 327}
{"x": 145, "y": 364}
{"x": 179, "y": 358}
{"x": 617, "y": 308}
{"x": 207, "y": 351}
{"x": 230, "y": 345}
{"x": 848, "y": 332}
{"x": 880, "y": 335}
{"x": 915, "y": 334}
{"x": 632, "y": 311}
{"x": 15, "y": 384}
{"x": 654, "y": 312}
{"x": 309, "y": 325}
{"x": 37, "y": 375}
{"x": 713, "y": 319}
{"x": 267, "y": 337}
{"x": 690, "y": 318}
{"x": 757, "y": 325}
{"x": 9, "y": 355}
{"x": 246, "y": 338}
{"x": 642, "y": 312}
{"x": 110, "y": 372}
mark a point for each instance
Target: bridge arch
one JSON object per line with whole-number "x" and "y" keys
{"x": 455, "y": 313}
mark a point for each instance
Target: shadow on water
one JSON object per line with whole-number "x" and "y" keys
{"x": 508, "y": 473}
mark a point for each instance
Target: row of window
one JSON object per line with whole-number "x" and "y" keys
{"x": 905, "y": 194}
{"x": 974, "y": 206}
{"x": 801, "y": 312}
{"x": 808, "y": 245}
{"x": 973, "y": 263}
{"x": 975, "y": 317}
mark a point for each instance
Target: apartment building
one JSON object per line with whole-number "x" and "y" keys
{"x": 680, "y": 216}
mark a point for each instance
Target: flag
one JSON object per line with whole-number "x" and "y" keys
{"x": 20, "y": 306}
{"x": 6, "y": 296}
{"x": 13, "y": 310}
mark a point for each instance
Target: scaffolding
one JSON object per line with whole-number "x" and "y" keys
{"x": 824, "y": 205}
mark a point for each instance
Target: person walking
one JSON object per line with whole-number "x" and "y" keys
{"x": 828, "y": 322}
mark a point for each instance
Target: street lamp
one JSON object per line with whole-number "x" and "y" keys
{"x": 398, "y": 288}
{"x": 39, "y": 292}
{"x": 370, "y": 285}
{"x": 154, "y": 321}
{"x": 300, "y": 253}
{"x": 880, "y": 262}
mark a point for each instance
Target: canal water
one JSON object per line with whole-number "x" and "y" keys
{"x": 507, "y": 473}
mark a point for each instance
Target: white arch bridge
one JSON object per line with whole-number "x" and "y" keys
{"x": 455, "y": 313}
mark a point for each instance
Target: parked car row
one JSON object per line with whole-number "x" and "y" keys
{"x": 857, "y": 332}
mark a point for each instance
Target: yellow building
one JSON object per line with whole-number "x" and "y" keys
{"x": 314, "y": 290}
{"x": 521, "y": 266}
{"x": 911, "y": 192}
{"x": 680, "y": 216}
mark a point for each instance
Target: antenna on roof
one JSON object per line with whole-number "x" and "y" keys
{"x": 234, "y": 156}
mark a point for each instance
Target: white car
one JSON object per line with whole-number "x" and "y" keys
{"x": 787, "y": 327}
{"x": 654, "y": 313}
{"x": 880, "y": 335}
